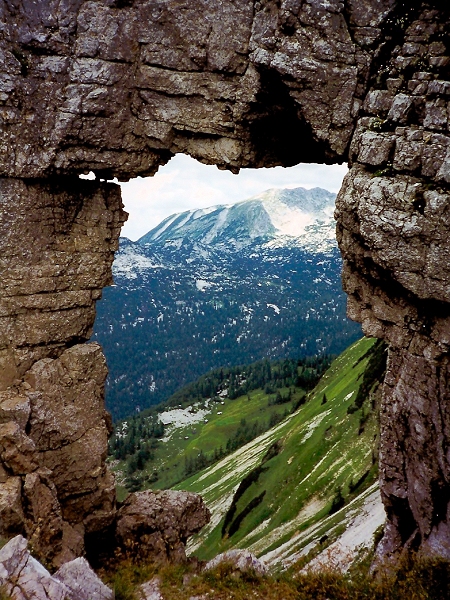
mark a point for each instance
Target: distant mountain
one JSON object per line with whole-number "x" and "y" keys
{"x": 272, "y": 214}
{"x": 222, "y": 286}
{"x": 286, "y": 473}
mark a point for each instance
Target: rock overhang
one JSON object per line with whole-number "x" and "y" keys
{"x": 119, "y": 87}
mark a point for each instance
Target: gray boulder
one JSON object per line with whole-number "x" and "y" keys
{"x": 241, "y": 560}
{"x": 156, "y": 524}
{"x": 82, "y": 582}
{"x": 24, "y": 578}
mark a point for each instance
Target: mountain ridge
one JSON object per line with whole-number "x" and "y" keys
{"x": 270, "y": 214}
{"x": 182, "y": 306}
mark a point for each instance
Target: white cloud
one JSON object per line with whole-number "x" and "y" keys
{"x": 184, "y": 184}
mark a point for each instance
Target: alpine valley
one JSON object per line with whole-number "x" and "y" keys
{"x": 222, "y": 286}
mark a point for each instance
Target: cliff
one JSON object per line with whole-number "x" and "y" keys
{"x": 118, "y": 87}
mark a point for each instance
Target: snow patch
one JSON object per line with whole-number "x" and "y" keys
{"x": 275, "y": 308}
{"x": 202, "y": 284}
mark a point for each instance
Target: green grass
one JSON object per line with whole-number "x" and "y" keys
{"x": 322, "y": 451}
{"x": 169, "y": 460}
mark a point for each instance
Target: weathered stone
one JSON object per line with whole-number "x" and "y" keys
{"x": 23, "y": 577}
{"x": 375, "y": 148}
{"x": 393, "y": 233}
{"x": 14, "y": 407}
{"x": 150, "y": 590}
{"x": 414, "y": 419}
{"x": 118, "y": 88}
{"x": 82, "y": 582}
{"x": 239, "y": 560}
{"x": 17, "y": 450}
{"x": 68, "y": 426}
{"x": 43, "y": 519}
{"x": 102, "y": 112}
{"x": 12, "y": 520}
{"x": 157, "y": 524}
{"x": 56, "y": 249}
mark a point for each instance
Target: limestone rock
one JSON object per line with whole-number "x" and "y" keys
{"x": 82, "y": 582}
{"x": 240, "y": 560}
{"x": 14, "y": 406}
{"x": 24, "y": 578}
{"x": 121, "y": 88}
{"x": 150, "y": 590}
{"x": 43, "y": 519}
{"x": 157, "y": 524}
{"x": 17, "y": 450}
{"x": 393, "y": 233}
{"x": 57, "y": 243}
{"x": 118, "y": 88}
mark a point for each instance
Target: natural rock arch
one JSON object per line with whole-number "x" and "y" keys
{"x": 118, "y": 87}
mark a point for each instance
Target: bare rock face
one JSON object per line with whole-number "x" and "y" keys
{"x": 121, "y": 87}
{"x": 82, "y": 582}
{"x": 57, "y": 242}
{"x": 242, "y": 561}
{"x": 118, "y": 88}
{"x": 393, "y": 229}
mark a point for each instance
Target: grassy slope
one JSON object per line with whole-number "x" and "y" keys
{"x": 321, "y": 451}
{"x": 169, "y": 458}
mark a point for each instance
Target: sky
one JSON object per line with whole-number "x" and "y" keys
{"x": 185, "y": 184}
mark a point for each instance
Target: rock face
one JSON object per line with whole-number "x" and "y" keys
{"x": 393, "y": 215}
{"x": 158, "y": 524}
{"x": 23, "y": 578}
{"x": 118, "y": 87}
{"x": 57, "y": 243}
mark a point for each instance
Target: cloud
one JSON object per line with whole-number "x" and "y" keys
{"x": 184, "y": 184}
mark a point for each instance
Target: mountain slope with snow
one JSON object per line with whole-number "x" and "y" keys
{"x": 272, "y": 214}
{"x": 222, "y": 286}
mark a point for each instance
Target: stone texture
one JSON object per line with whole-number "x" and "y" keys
{"x": 57, "y": 245}
{"x": 150, "y": 590}
{"x": 121, "y": 87}
{"x": 24, "y": 578}
{"x": 157, "y": 524}
{"x": 82, "y": 582}
{"x": 242, "y": 561}
{"x": 11, "y": 512}
{"x": 394, "y": 235}
{"x": 118, "y": 88}
{"x": 415, "y": 423}
{"x": 57, "y": 242}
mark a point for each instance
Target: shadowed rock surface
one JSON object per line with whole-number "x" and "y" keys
{"x": 158, "y": 524}
{"x": 118, "y": 88}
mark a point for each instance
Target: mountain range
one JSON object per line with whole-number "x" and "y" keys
{"x": 221, "y": 286}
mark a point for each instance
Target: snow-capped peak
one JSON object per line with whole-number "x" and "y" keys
{"x": 275, "y": 213}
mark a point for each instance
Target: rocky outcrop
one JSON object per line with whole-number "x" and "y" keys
{"x": 22, "y": 577}
{"x": 57, "y": 243}
{"x": 393, "y": 215}
{"x": 240, "y": 561}
{"x": 118, "y": 87}
{"x": 55, "y": 486}
{"x": 151, "y": 525}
